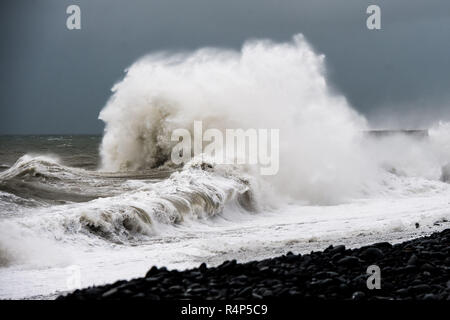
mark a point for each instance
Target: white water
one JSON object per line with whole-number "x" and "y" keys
{"x": 265, "y": 85}
{"x": 334, "y": 183}
{"x": 238, "y": 236}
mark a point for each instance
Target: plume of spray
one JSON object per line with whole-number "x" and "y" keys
{"x": 264, "y": 85}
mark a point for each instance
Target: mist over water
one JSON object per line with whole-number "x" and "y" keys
{"x": 324, "y": 157}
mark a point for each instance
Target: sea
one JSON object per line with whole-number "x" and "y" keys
{"x": 83, "y": 210}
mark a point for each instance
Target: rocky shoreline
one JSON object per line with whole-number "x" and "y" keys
{"x": 418, "y": 269}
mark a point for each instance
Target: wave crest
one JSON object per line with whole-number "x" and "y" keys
{"x": 264, "y": 85}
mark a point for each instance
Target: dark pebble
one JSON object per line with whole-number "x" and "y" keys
{"x": 358, "y": 295}
{"x": 412, "y": 261}
{"x": 337, "y": 249}
{"x": 420, "y": 288}
{"x": 348, "y": 261}
{"x": 372, "y": 254}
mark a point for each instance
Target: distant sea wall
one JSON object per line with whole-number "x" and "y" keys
{"x": 388, "y": 133}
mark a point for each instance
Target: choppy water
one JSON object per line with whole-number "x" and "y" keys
{"x": 80, "y": 151}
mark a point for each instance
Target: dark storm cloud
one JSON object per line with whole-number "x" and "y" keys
{"x": 56, "y": 81}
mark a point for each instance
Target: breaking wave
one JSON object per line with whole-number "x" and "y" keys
{"x": 324, "y": 156}
{"x": 265, "y": 85}
{"x": 200, "y": 191}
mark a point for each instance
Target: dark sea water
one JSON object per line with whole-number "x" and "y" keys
{"x": 72, "y": 150}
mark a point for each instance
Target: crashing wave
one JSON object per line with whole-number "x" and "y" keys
{"x": 200, "y": 191}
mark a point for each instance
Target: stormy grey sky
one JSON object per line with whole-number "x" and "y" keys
{"x": 56, "y": 81}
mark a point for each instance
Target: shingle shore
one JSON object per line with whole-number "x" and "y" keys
{"x": 415, "y": 269}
